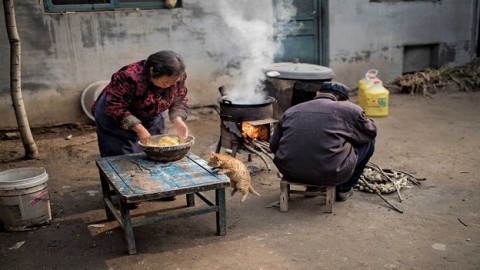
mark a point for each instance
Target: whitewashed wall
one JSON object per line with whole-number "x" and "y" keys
{"x": 63, "y": 53}
{"x": 220, "y": 41}
{"x": 366, "y": 35}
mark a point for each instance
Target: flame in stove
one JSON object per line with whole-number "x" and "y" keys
{"x": 252, "y": 132}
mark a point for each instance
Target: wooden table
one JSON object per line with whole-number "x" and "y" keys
{"x": 133, "y": 178}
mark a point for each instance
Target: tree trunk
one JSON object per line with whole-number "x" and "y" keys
{"x": 31, "y": 150}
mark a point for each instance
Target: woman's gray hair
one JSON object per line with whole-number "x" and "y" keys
{"x": 165, "y": 63}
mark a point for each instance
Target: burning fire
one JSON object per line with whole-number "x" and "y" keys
{"x": 256, "y": 138}
{"x": 252, "y": 132}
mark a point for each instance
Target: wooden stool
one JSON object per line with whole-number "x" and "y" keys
{"x": 285, "y": 192}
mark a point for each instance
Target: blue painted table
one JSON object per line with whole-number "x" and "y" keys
{"x": 133, "y": 179}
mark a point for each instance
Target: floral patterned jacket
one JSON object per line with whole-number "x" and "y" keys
{"x": 132, "y": 98}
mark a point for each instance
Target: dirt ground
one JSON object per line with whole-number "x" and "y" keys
{"x": 437, "y": 138}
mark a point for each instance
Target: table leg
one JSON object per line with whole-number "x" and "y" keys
{"x": 127, "y": 228}
{"x": 221, "y": 213}
{"x": 191, "y": 199}
{"x": 106, "y": 196}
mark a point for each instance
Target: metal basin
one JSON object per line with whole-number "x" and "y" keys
{"x": 167, "y": 153}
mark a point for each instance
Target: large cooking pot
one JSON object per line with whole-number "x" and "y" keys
{"x": 239, "y": 112}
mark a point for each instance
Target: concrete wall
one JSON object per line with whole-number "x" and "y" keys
{"x": 221, "y": 41}
{"x": 366, "y": 35}
{"x": 64, "y": 53}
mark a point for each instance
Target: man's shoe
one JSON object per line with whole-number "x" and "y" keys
{"x": 342, "y": 196}
{"x": 314, "y": 189}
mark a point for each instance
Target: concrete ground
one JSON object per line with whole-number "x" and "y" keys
{"x": 437, "y": 138}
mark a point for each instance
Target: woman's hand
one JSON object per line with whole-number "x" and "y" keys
{"x": 180, "y": 127}
{"x": 142, "y": 133}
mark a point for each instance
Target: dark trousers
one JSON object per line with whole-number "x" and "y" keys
{"x": 364, "y": 153}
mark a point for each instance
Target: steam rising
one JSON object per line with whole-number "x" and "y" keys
{"x": 255, "y": 47}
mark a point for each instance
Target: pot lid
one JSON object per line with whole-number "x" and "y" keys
{"x": 298, "y": 71}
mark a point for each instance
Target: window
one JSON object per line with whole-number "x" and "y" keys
{"x": 59, "y": 6}
{"x": 420, "y": 57}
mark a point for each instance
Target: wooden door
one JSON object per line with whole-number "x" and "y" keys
{"x": 303, "y": 43}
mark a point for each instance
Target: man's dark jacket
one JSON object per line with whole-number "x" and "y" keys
{"x": 313, "y": 142}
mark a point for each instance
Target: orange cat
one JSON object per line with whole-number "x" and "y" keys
{"x": 237, "y": 172}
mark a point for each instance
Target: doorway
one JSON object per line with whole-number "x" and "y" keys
{"x": 304, "y": 36}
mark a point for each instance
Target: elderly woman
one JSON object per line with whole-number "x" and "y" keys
{"x": 133, "y": 106}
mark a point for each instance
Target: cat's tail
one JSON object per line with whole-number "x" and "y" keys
{"x": 250, "y": 188}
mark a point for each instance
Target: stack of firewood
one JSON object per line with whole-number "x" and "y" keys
{"x": 261, "y": 149}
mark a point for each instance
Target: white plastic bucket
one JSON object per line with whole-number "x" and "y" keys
{"x": 24, "y": 199}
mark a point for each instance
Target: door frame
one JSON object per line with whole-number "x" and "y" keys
{"x": 324, "y": 33}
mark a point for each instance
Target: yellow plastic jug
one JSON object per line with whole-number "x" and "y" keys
{"x": 376, "y": 100}
{"x": 364, "y": 84}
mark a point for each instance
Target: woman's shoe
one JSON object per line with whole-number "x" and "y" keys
{"x": 168, "y": 199}
{"x": 135, "y": 205}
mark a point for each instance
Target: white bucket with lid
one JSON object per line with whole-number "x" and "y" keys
{"x": 24, "y": 198}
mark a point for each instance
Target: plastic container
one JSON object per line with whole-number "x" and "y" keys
{"x": 90, "y": 94}
{"x": 364, "y": 84}
{"x": 24, "y": 198}
{"x": 376, "y": 100}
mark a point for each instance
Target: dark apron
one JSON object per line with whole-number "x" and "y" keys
{"x": 113, "y": 140}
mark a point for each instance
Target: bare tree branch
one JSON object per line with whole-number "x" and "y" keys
{"x": 31, "y": 150}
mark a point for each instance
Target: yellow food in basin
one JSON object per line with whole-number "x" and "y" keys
{"x": 165, "y": 141}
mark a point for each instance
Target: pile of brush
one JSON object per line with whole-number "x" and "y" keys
{"x": 430, "y": 81}
{"x": 377, "y": 180}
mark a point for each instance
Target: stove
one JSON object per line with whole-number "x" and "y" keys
{"x": 246, "y": 127}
